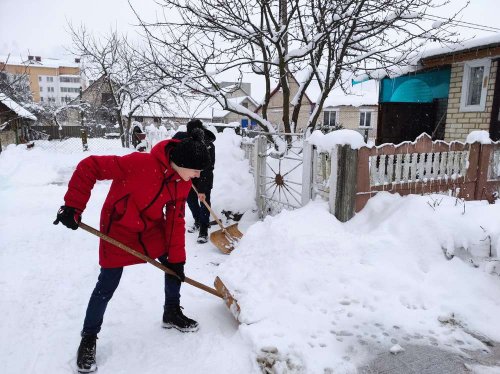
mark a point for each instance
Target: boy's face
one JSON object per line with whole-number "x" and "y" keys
{"x": 187, "y": 174}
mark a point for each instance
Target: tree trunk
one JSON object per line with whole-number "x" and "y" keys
{"x": 120, "y": 124}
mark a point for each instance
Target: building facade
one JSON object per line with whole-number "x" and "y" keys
{"x": 474, "y": 91}
{"x": 51, "y": 81}
{"x": 361, "y": 118}
{"x": 275, "y": 107}
{"x": 451, "y": 92}
{"x": 14, "y": 122}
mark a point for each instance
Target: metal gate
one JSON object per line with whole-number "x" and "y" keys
{"x": 278, "y": 175}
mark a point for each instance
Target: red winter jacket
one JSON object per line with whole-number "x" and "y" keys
{"x": 144, "y": 208}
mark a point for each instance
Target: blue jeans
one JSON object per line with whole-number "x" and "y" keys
{"x": 199, "y": 211}
{"x": 107, "y": 283}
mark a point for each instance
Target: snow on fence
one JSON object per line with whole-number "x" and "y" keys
{"x": 349, "y": 177}
{"x": 467, "y": 171}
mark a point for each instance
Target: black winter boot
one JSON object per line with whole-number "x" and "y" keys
{"x": 174, "y": 318}
{"x": 85, "y": 360}
{"x": 203, "y": 236}
{"x": 194, "y": 227}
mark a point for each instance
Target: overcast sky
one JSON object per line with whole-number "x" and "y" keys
{"x": 40, "y": 26}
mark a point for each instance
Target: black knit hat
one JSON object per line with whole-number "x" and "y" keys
{"x": 194, "y": 124}
{"x": 191, "y": 152}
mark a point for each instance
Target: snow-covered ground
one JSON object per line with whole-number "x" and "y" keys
{"x": 317, "y": 295}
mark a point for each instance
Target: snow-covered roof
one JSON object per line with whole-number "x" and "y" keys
{"x": 365, "y": 93}
{"x": 151, "y": 110}
{"x": 220, "y": 113}
{"x": 47, "y": 62}
{"x": 15, "y": 107}
{"x": 432, "y": 50}
{"x": 240, "y": 99}
{"x": 484, "y": 42}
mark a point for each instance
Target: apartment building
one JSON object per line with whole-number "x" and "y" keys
{"x": 52, "y": 81}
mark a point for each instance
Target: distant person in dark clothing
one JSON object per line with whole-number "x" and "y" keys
{"x": 203, "y": 184}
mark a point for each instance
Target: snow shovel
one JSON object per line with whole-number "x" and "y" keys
{"x": 227, "y": 237}
{"x": 219, "y": 291}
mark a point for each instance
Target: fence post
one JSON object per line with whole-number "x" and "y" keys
{"x": 482, "y": 190}
{"x": 334, "y": 165}
{"x": 16, "y": 129}
{"x": 307, "y": 172}
{"x": 84, "y": 139}
{"x": 345, "y": 190}
{"x": 260, "y": 173}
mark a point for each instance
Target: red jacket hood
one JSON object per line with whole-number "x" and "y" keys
{"x": 161, "y": 151}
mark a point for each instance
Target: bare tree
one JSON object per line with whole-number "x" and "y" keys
{"x": 326, "y": 41}
{"x": 126, "y": 72}
{"x": 16, "y": 86}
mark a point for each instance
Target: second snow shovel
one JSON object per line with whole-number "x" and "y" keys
{"x": 219, "y": 291}
{"x": 227, "y": 237}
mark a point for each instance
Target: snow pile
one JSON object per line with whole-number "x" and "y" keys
{"x": 480, "y": 136}
{"x": 47, "y": 163}
{"x": 48, "y": 272}
{"x": 234, "y": 188}
{"x": 326, "y": 142}
{"x": 157, "y": 134}
{"x": 317, "y": 295}
{"x": 322, "y": 293}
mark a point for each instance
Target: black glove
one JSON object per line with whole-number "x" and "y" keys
{"x": 69, "y": 217}
{"x": 177, "y": 268}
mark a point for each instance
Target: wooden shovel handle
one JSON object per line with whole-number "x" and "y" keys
{"x": 142, "y": 256}
{"x": 210, "y": 209}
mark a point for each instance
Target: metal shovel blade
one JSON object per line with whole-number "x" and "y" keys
{"x": 225, "y": 239}
{"x": 230, "y": 301}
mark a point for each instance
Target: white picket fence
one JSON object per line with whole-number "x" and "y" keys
{"x": 347, "y": 177}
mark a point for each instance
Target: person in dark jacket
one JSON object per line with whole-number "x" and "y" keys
{"x": 144, "y": 209}
{"x": 203, "y": 184}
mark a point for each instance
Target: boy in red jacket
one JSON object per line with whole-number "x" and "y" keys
{"x": 144, "y": 209}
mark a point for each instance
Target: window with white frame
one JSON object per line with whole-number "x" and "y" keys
{"x": 330, "y": 118}
{"x": 365, "y": 118}
{"x": 475, "y": 85}
{"x": 50, "y": 79}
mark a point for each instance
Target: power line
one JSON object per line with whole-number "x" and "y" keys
{"x": 458, "y": 24}
{"x": 468, "y": 25}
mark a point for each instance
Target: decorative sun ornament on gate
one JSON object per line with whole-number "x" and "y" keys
{"x": 283, "y": 181}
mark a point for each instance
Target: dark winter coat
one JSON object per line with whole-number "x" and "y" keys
{"x": 144, "y": 208}
{"x": 205, "y": 182}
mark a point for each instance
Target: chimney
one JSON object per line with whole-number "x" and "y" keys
{"x": 30, "y": 58}
{"x": 38, "y": 58}
{"x": 77, "y": 60}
